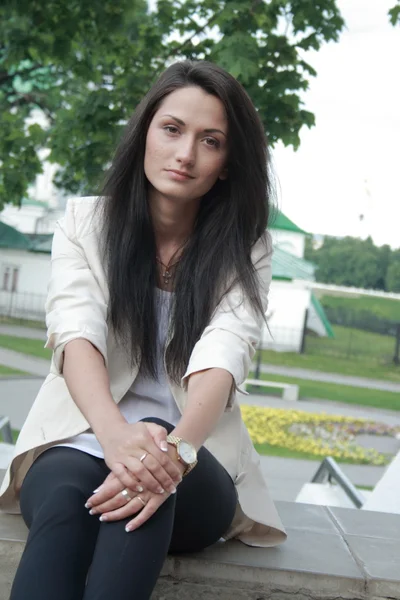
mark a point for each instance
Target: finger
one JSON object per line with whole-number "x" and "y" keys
{"x": 169, "y": 470}
{"x": 152, "y": 464}
{"x": 159, "y": 435}
{"x": 131, "y": 508}
{"x": 127, "y": 475}
{"x": 140, "y": 472}
{"x": 145, "y": 514}
{"x": 107, "y": 489}
{"x": 118, "y": 501}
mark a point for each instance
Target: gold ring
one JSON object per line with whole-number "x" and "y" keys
{"x": 125, "y": 494}
{"x": 143, "y": 456}
{"x": 141, "y": 500}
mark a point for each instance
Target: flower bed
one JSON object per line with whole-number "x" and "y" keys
{"x": 317, "y": 434}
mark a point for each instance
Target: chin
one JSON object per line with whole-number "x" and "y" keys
{"x": 172, "y": 192}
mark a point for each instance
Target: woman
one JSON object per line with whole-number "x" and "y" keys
{"x": 157, "y": 296}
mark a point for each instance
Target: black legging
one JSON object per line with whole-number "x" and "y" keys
{"x": 64, "y": 540}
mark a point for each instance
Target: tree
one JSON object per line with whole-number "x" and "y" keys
{"x": 394, "y": 13}
{"x": 354, "y": 262}
{"x": 393, "y": 273}
{"x": 85, "y": 66}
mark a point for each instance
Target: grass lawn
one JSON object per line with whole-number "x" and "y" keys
{"x": 385, "y": 308}
{"x": 351, "y": 352}
{"x": 4, "y": 371}
{"x": 269, "y": 450}
{"x": 24, "y": 345}
{"x": 23, "y": 323}
{"x": 15, "y": 434}
{"x": 334, "y": 392}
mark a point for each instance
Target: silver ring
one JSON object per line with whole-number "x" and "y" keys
{"x": 141, "y": 500}
{"x": 143, "y": 456}
{"x": 125, "y": 494}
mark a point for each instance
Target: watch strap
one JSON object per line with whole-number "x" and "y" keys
{"x": 175, "y": 441}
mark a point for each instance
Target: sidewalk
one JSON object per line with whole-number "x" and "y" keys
{"x": 286, "y": 476}
{"x": 363, "y": 382}
{"x": 24, "y": 362}
{"x": 24, "y": 332}
{"x": 389, "y": 417}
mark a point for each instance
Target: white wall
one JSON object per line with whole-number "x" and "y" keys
{"x": 24, "y": 219}
{"x": 338, "y": 290}
{"x": 31, "y": 219}
{"x": 33, "y": 276}
{"x": 290, "y": 241}
{"x": 288, "y": 302}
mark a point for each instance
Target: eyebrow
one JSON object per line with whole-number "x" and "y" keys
{"x": 212, "y": 130}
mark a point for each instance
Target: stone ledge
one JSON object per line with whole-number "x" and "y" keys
{"x": 331, "y": 553}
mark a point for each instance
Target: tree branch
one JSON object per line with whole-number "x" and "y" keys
{"x": 5, "y": 76}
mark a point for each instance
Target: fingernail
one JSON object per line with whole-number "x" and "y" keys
{"x": 160, "y": 491}
{"x": 103, "y": 518}
{"x": 127, "y": 529}
{"x": 88, "y": 505}
{"x": 92, "y": 512}
{"x": 97, "y": 490}
{"x": 139, "y": 488}
{"x": 164, "y": 446}
{"x": 172, "y": 490}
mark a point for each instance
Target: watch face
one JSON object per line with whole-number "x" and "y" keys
{"x": 187, "y": 453}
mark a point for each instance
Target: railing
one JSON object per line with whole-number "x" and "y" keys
{"x": 5, "y": 430}
{"x": 22, "y": 305}
{"x": 329, "y": 471}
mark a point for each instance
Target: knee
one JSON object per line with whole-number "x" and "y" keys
{"x": 66, "y": 500}
{"x": 158, "y": 421}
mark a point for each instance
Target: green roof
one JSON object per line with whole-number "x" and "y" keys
{"x": 287, "y": 266}
{"x": 12, "y": 238}
{"x": 280, "y": 221}
{"x": 42, "y": 244}
{"x": 319, "y": 309}
{"x": 30, "y": 202}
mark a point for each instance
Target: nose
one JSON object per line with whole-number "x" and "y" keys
{"x": 186, "y": 151}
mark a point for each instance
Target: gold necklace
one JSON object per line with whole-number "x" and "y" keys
{"x": 167, "y": 275}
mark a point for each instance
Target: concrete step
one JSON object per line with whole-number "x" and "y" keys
{"x": 330, "y": 554}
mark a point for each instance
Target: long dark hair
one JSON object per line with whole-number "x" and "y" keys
{"x": 232, "y": 216}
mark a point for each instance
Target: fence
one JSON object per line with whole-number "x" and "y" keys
{"x": 357, "y": 344}
{"x": 350, "y": 342}
{"x": 21, "y": 306}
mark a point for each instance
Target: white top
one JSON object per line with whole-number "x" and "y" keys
{"x": 147, "y": 397}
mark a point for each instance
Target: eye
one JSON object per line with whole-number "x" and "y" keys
{"x": 212, "y": 142}
{"x": 171, "y": 129}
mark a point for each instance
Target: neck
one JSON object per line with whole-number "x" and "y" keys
{"x": 173, "y": 221}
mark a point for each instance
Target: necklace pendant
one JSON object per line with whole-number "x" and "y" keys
{"x": 166, "y": 277}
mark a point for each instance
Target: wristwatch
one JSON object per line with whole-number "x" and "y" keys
{"x": 186, "y": 452}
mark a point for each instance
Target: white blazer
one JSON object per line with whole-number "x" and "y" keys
{"x": 77, "y": 308}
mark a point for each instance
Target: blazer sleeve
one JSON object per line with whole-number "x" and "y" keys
{"x": 230, "y": 340}
{"x": 76, "y": 306}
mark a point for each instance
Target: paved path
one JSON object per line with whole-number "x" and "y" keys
{"x": 363, "y": 382}
{"x": 285, "y": 476}
{"x": 24, "y": 362}
{"x": 390, "y": 417}
{"x": 24, "y": 332}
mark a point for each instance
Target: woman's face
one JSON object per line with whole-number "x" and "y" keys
{"x": 186, "y": 145}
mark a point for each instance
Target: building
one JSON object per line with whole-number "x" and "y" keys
{"x": 293, "y": 307}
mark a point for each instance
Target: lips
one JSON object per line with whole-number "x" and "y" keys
{"x": 180, "y": 173}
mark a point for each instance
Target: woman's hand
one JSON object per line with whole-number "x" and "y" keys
{"x": 125, "y": 445}
{"x": 112, "y": 505}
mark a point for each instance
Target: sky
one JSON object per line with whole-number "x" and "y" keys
{"x": 349, "y": 163}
